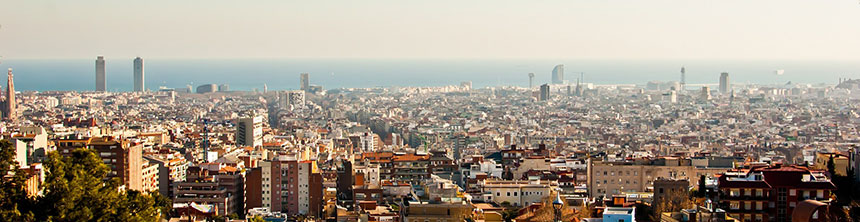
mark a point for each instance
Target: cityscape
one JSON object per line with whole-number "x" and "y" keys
{"x": 556, "y": 143}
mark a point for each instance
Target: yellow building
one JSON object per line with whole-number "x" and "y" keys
{"x": 438, "y": 212}
{"x": 840, "y": 162}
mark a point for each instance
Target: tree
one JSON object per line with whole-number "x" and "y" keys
{"x": 15, "y": 205}
{"x": 702, "y": 191}
{"x": 673, "y": 201}
{"x": 76, "y": 189}
{"x": 831, "y": 167}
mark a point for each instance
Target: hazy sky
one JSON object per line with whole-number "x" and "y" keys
{"x": 539, "y": 29}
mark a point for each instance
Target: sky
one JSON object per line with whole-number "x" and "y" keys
{"x": 478, "y": 29}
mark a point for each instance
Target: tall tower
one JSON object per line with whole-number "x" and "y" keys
{"x": 544, "y": 92}
{"x": 100, "y": 74}
{"x": 138, "y": 75}
{"x": 531, "y": 80}
{"x": 683, "y": 78}
{"x": 725, "y": 85}
{"x": 558, "y": 74}
{"x": 303, "y": 81}
{"x": 11, "y": 104}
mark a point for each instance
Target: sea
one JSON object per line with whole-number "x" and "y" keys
{"x": 283, "y": 74}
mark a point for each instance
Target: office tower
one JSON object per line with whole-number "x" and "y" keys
{"x": 558, "y": 74}
{"x": 223, "y": 88}
{"x": 706, "y": 93}
{"x": 100, "y": 74}
{"x": 531, "y": 80}
{"x": 683, "y": 78}
{"x": 725, "y": 85}
{"x": 207, "y": 88}
{"x": 11, "y": 109}
{"x": 304, "y": 84}
{"x": 265, "y": 88}
{"x": 138, "y": 75}
{"x": 544, "y": 92}
{"x": 294, "y": 99}
{"x": 249, "y": 131}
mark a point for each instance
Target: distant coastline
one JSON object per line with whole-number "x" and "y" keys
{"x": 283, "y": 74}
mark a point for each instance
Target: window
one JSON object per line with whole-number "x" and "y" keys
{"x": 734, "y": 192}
{"x": 758, "y": 192}
{"x": 758, "y": 205}
{"x": 792, "y": 192}
{"x": 734, "y": 205}
{"x": 820, "y": 194}
{"x": 509, "y": 194}
{"x": 747, "y": 205}
{"x": 515, "y": 194}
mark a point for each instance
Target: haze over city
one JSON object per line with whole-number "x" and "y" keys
{"x": 618, "y": 29}
{"x": 430, "y": 111}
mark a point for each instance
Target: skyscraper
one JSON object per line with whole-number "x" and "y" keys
{"x": 11, "y": 109}
{"x": 725, "y": 85}
{"x": 304, "y": 84}
{"x": 249, "y": 131}
{"x": 683, "y": 78}
{"x": 138, "y": 75}
{"x": 531, "y": 80}
{"x": 558, "y": 74}
{"x": 544, "y": 92}
{"x": 100, "y": 74}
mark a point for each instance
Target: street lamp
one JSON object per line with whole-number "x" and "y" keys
{"x": 556, "y": 205}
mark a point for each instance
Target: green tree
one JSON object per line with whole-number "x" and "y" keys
{"x": 15, "y": 205}
{"x": 831, "y": 167}
{"x": 75, "y": 189}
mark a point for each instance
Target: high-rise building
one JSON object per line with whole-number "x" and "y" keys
{"x": 294, "y": 99}
{"x": 207, "y": 88}
{"x": 100, "y": 74}
{"x": 124, "y": 159}
{"x": 249, "y": 131}
{"x": 544, "y": 92}
{"x": 558, "y": 74}
{"x": 683, "y": 78}
{"x": 138, "y": 75}
{"x": 223, "y": 87}
{"x": 304, "y": 82}
{"x": 725, "y": 85}
{"x": 11, "y": 109}
{"x": 289, "y": 185}
{"x": 531, "y": 80}
{"x": 706, "y": 93}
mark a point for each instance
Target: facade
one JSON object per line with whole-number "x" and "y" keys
{"x": 100, "y": 74}
{"x": 608, "y": 178}
{"x": 149, "y": 177}
{"x": 439, "y": 212}
{"x": 138, "y": 75}
{"x": 123, "y": 157}
{"x": 290, "y": 186}
{"x": 10, "y": 110}
{"x": 770, "y": 193}
{"x": 725, "y": 85}
{"x": 207, "y": 88}
{"x": 544, "y": 92}
{"x": 558, "y": 74}
{"x": 619, "y": 214}
{"x": 170, "y": 171}
{"x": 304, "y": 83}
{"x": 515, "y": 192}
{"x": 249, "y": 131}
{"x": 293, "y": 98}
